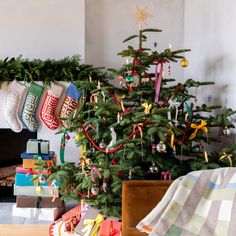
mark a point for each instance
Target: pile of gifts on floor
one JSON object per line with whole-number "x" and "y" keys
{"x": 85, "y": 220}
{"x": 37, "y": 199}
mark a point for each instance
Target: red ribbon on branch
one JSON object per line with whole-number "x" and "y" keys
{"x": 85, "y": 130}
{"x": 94, "y": 169}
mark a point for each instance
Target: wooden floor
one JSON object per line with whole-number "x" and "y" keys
{"x": 24, "y": 230}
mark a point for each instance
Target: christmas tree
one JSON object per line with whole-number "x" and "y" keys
{"x": 143, "y": 129}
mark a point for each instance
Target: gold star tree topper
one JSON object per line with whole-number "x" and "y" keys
{"x": 141, "y": 16}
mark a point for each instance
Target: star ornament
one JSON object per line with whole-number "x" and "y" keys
{"x": 141, "y": 16}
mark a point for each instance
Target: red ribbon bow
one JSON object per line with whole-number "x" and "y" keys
{"x": 166, "y": 175}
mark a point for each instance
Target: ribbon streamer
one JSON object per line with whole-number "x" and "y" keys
{"x": 202, "y": 127}
{"x": 158, "y": 79}
{"x": 172, "y": 139}
{"x": 227, "y": 156}
{"x": 89, "y": 224}
{"x": 92, "y": 170}
{"x": 173, "y": 104}
{"x": 139, "y": 128}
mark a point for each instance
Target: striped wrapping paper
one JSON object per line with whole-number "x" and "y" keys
{"x": 201, "y": 203}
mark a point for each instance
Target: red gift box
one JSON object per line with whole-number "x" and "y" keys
{"x": 20, "y": 169}
{"x": 110, "y": 228}
{"x": 71, "y": 213}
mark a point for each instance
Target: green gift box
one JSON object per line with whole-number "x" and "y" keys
{"x": 37, "y": 146}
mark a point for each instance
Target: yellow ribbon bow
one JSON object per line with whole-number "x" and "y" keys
{"x": 147, "y": 107}
{"x": 90, "y": 224}
{"x": 202, "y": 127}
{"x": 227, "y": 156}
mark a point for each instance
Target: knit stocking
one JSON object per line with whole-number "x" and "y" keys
{"x": 12, "y": 104}
{"x": 32, "y": 99}
{"x": 70, "y": 103}
{"x": 48, "y": 110}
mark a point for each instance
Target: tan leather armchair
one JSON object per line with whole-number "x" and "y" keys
{"x": 139, "y": 197}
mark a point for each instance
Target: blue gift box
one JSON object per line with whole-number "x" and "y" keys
{"x": 49, "y": 156}
{"x": 22, "y": 179}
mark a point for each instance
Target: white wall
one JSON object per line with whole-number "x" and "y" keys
{"x": 109, "y": 22}
{"x": 210, "y": 33}
{"x": 42, "y": 29}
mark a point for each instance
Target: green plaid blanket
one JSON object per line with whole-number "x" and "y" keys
{"x": 201, "y": 203}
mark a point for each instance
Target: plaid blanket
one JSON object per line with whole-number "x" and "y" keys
{"x": 201, "y": 203}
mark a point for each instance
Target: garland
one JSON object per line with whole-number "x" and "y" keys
{"x": 48, "y": 71}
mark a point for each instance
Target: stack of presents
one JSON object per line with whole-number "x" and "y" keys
{"x": 37, "y": 199}
{"x": 85, "y": 220}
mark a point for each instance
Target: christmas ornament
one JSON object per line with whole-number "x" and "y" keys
{"x": 70, "y": 103}
{"x": 161, "y": 147}
{"x": 153, "y": 169}
{"x": 196, "y": 148}
{"x": 154, "y": 148}
{"x": 113, "y": 140}
{"x": 42, "y": 179}
{"x": 104, "y": 186}
{"x": 166, "y": 175}
{"x": 226, "y": 131}
{"x": 12, "y": 104}
{"x": 141, "y": 16}
{"x": 173, "y": 104}
{"x": 102, "y": 144}
{"x": 184, "y": 62}
{"x": 129, "y": 79}
{"x": 32, "y": 99}
{"x": 48, "y": 110}
{"x": 95, "y": 190}
{"x": 209, "y": 98}
{"x": 130, "y": 174}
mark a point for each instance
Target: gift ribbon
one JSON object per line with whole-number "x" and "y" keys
{"x": 166, "y": 175}
{"x": 158, "y": 79}
{"x": 172, "y": 105}
{"x": 227, "y": 156}
{"x": 189, "y": 110}
{"x": 37, "y": 157}
{"x": 92, "y": 170}
{"x": 202, "y": 126}
{"x": 139, "y": 128}
{"x": 89, "y": 224}
{"x": 146, "y": 107}
{"x": 113, "y": 231}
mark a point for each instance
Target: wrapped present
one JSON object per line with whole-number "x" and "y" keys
{"x": 27, "y": 171}
{"x": 41, "y": 191}
{"x": 48, "y": 156}
{"x": 37, "y": 146}
{"x": 110, "y": 228}
{"x": 44, "y": 214}
{"x": 71, "y": 213}
{"x": 31, "y": 163}
{"x": 39, "y": 202}
{"x": 89, "y": 225}
{"x": 22, "y": 179}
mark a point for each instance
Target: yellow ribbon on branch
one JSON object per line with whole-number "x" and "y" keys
{"x": 202, "y": 127}
{"x": 147, "y": 107}
{"x": 89, "y": 224}
{"x": 227, "y": 156}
